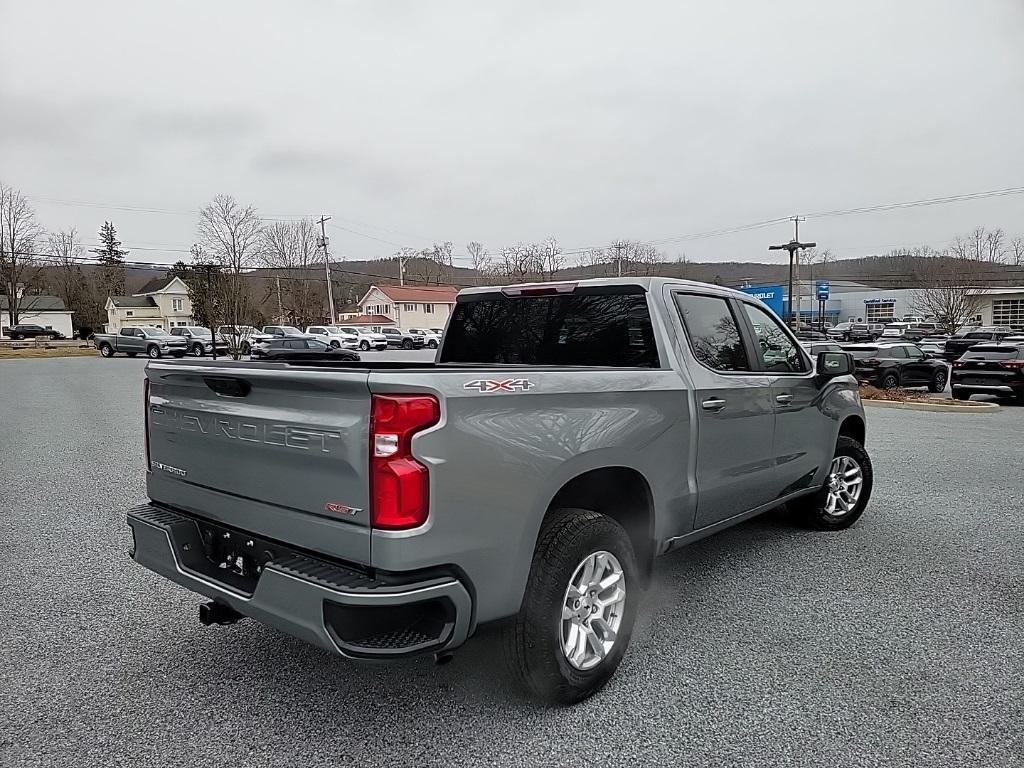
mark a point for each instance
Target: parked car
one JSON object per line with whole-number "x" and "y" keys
{"x": 932, "y": 348}
{"x": 260, "y": 339}
{"x": 431, "y": 339}
{"x": 803, "y": 336}
{"x": 439, "y": 332}
{"x": 396, "y": 337}
{"x": 334, "y": 336}
{"x": 922, "y": 330}
{"x": 813, "y": 348}
{"x": 303, "y": 349}
{"x": 200, "y": 340}
{"x": 238, "y": 337}
{"x": 154, "y": 342}
{"x": 838, "y": 331}
{"x": 365, "y": 338}
{"x": 991, "y": 369}
{"x": 400, "y": 528}
{"x": 888, "y": 366}
{"x": 956, "y": 346}
{"x": 894, "y": 331}
{"x": 876, "y": 329}
{"x": 31, "y": 331}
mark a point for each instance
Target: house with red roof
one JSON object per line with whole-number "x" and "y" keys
{"x": 421, "y": 306}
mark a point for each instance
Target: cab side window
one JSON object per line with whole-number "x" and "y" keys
{"x": 713, "y": 332}
{"x": 778, "y": 352}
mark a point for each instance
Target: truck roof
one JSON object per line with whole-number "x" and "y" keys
{"x": 647, "y": 283}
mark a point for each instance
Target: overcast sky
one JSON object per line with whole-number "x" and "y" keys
{"x": 589, "y": 121}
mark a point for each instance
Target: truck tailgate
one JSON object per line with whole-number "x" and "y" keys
{"x": 276, "y": 450}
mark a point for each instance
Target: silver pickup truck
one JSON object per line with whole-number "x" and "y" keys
{"x": 147, "y": 340}
{"x": 565, "y": 436}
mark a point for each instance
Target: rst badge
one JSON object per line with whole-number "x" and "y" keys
{"x": 503, "y": 385}
{"x": 341, "y": 509}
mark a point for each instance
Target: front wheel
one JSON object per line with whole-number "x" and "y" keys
{"x": 432, "y": 344}
{"x": 407, "y": 344}
{"x": 153, "y": 351}
{"x": 364, "y": 345}
{"x": 336, "y": 344}
{"x": 938, "y": 382}
{"x": 18, "y": 336}
{"x": 845, "y": 494}
{"x": 578, "y": 611}
{"x": 197, "y": 350}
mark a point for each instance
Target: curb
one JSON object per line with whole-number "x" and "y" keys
{"x": 933, "y": 407}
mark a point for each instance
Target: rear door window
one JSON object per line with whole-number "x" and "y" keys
{"x": 894, "y": 353}
{"x": 586, "y": 327}
{"x": 713, "y": 332}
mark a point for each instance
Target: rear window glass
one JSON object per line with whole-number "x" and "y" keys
{"x": 978, "y": 335}
{"x": 991, "y": 353}
{"x": 862, "y": 353}
{"x": 579, "y": 329}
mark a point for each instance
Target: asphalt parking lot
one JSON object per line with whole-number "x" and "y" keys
{"x": 895, "y": 643}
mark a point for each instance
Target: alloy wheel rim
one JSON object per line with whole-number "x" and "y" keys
{"x": 845, "y": 483}
{"x": 592, "y": 610}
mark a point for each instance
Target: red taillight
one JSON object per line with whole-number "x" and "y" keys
{"x": 145, "y": 409}
{"x": 871, "y": 362}
{"x": 1015, "y": 365}
{"x": 958, "y": 364}
{"x": 399, "y": 485}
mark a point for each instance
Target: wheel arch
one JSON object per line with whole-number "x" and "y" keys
{"x": 619, "y": 492}
{"x": 853, "y": 426}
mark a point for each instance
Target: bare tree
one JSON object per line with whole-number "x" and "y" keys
{"x": 66, "y": 276}
{"x": 19, "y": 267}
{"x": 517, "y": 262}
{"x": 951, "y": 291}
{"x": 291, "y": 249}
{"x": 480, "y": 259}
{"x": 1016, "y": 251}
{"x": 994, "y": 247}
{"x": 549, "y": 258}
{"x": 231, "y": 237}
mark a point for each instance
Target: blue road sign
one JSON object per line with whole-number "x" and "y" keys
{"x": 821, "y": 288}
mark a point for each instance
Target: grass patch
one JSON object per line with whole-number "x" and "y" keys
{"x": 15, "y": 353}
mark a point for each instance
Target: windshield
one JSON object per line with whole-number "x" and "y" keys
{"x": 199, "y": 331}
{"x": 156, "y": 332}
{"x": 862, "y": 353}
{"x": 290, "y": 330}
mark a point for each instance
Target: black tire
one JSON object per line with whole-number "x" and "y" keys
{"x": 18, "y": 336}
{"x": 406, "y": 343}
{"x": 533, "y": 642}
{"x": 196, "y": 350}
{"x": 811, "y": 510}
{"x": 106, "y": 350}
{"x": 938, "y": 382}
{"x": 890, "y": 380}
{"x": 153, "y": 351}
{"x": 245, "y": 349}
{"x": 364, "y": 345}
{"x": 336, "y": 344}
{"x": 959, "y": 394}
{"x": 432, "y": 344}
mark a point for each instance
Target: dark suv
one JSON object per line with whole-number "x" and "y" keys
{"x": 888, "y": 366}
{"x": 990, "y": 369}
{"x": 30, "y": 331}
{"x": 960, "y": 343}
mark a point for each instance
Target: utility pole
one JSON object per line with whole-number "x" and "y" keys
{"x": 793, "y": 246}
{"x": 327, "y": 267}
{"x": 618, "y": 257}
{"x": 401, "y": 268}
{"x": 796, "y": 268}
{"x": 280, "y": 305}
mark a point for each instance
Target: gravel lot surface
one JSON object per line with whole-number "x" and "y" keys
{"x": 895, "y": 643}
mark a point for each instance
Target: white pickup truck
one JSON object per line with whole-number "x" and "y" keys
{"x": 335, "y": 336}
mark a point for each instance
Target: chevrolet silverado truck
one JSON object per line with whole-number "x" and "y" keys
{"x": 565, "y": 435}
{"x": 153, "y": 342}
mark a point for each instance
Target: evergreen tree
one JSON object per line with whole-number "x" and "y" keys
{"x": 111, "y": 257}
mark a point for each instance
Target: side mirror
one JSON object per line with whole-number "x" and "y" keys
{"x": 832, "y": 365}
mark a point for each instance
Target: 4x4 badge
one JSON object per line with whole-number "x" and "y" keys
{"x": 504, "y": 385}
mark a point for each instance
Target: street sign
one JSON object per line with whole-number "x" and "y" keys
{"x": 822, "y": 289}
{"x": 769, "y": 294}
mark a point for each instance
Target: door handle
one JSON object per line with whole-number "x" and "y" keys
{"x": 783, "y": 399}
{"x": 714, "y": 404}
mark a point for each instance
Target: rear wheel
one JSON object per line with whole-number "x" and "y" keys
{"x": 106, "y": 350}
{"x": 153, "y": 351}
{"x": 845, "y": 494}
{"x": 938, "y": 382}
{"x": 407, "y": 344}
{"x": 578, "y": 611}
{"x": 891, "y": 380}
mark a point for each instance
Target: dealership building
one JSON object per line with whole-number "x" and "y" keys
{"x": 850, "y": 301}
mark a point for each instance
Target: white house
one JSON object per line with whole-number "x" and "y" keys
{"x": 162, "y": 302}
{"x": 47, "y": 311}
{"x": 406, "y": 306}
